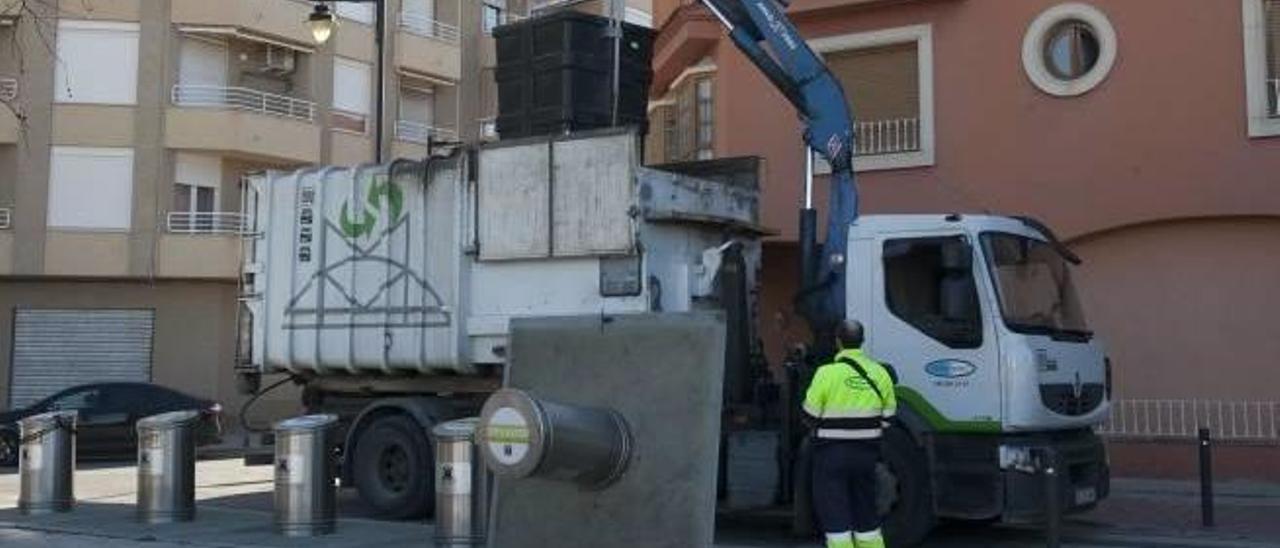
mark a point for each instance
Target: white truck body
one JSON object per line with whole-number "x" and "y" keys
{"x": 379, "y": 270}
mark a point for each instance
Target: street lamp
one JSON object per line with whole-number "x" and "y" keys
{"x": 322, "y": 24}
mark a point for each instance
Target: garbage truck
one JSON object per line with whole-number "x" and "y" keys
{"x": 387, "y": 292}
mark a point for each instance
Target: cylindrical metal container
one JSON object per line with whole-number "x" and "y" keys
{"x": 462, "y": 486}
{"x": 167, "y": 467}
{"x": 46, "y": 462}
{"x": 522, "y": 437}
{"x": 305, "y": 488}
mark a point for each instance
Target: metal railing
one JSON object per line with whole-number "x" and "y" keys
{"x": 887, "y": 136}
{"x": 243, "y": 99}
{"x": 6, "y": 217}
{"x": 1240, "y": 421}
{"x": 1273, "y": 86}
{"x": 206, "y": 222}
{"x": 418, "y": 132}
{"x": 8, "y": 89}
{"x": 421, "y": 25}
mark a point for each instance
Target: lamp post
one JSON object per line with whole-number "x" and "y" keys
{"x": 323, "y": 24}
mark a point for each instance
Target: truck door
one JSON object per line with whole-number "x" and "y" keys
{"x": 930, "y": 322}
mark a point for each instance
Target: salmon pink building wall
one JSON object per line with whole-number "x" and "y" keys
{"x": 1152, "y": 176}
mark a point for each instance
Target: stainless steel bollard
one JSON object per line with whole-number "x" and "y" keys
{"x": 522, "y": 437}
{"x": 462, "y": 486}
{"x": 305, "y": 488}
{"x": 167, "y": 467}
{"x": 46, "y": 462}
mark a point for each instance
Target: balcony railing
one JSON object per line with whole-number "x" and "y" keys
{"x": 6, "y": 217}
{"x": 418, "y": 132}
{"x": 206, "y": 222}
{"x": 350, "y": 121}
{"x": 8, "y": 89}
{"x": 1273, "y": 86}
{"x": 421, "y": 25}
{"x": 887, "y": 136}
{"x": 1239, "y": 421}
{"x": 248, "y": 99}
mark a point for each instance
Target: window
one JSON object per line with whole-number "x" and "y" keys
{"x": 195, "y": 191}
{"x": 929, "y": 284}
{"x": 1069, "y": 49}
{"x": 97, "y": 63}
{"x": 359, "y": 12}
{"x": 1033, "y": 283}
{"x": 417, "y": 105}
{"x": 887, "y": 77}
{"x": 682, "y": 126}
{"x": 351, "y": 95}
{"x": 1262, "y": 66}
{"x": 90, "y": 188}
{"x": 202, "y": 62}
{"x": 490, "y": 16}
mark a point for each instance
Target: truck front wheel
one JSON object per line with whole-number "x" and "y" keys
{"x": 394, "y": 468}
{"x": 905, "y": 499}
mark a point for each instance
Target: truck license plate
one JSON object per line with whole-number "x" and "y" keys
{"x": 1086, "y": 495}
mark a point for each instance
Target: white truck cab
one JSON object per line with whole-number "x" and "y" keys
{"x": 978, "y": 317}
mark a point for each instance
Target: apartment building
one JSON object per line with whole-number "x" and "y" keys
{"x": 129, "y": 126}
{"x": 1147, "y": 136}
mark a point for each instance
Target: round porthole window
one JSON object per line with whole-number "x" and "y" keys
{"x": 1069, "y": 49}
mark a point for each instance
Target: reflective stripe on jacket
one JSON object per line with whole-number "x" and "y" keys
{"x": 845, "y": 406}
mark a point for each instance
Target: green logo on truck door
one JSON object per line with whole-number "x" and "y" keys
{"x": 381, "y": 192}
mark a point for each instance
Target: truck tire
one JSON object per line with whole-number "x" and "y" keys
{"x": 394, "y": 467}
{"x": 906, "y": 498}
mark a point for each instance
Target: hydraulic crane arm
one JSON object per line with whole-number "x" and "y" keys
{"x": 761, "y": 29}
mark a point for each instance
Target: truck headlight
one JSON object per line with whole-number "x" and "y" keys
{"x": 1021, "y": 459}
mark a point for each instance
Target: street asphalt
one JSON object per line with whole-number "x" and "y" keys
{"x": 235, "y": 510}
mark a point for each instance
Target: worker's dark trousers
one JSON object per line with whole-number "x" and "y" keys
{"x": 844, "y": 484}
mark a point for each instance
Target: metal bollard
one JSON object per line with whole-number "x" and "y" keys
{"x": 462, "y": 486}
{"x": 522, "y": 437}
{"x": 305, "y": 490}
{"x": 1206, "y": 478}
{"x": 46, "y": 462}
{"x": 167, "y": 467}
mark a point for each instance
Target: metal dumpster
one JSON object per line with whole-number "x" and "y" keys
{"x": 305, "y": 465}
{"x": 46, "y": 462}
{"x": 167, "y": 467}
{"x": 462, "y": 486}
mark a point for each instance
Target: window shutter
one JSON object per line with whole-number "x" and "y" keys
{"x": 351, "y": 86}
{"x": 97, "y": 63}
{"x": 881, "y": 83}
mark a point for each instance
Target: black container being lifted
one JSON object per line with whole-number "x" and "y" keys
{"x": 555, "y": 74}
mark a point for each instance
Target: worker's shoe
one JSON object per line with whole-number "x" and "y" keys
{"x": 869, "y": 539}
{"x": 840, "y": 540}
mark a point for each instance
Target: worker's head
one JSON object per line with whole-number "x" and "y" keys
{"x": 849, "y": 335}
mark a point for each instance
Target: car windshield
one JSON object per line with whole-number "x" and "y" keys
{"x": 1033, "y": 282}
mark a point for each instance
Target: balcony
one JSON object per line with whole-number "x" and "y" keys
{"x": 6, "y": 218}
{"x": 9, "y": 124}
{"x": 272, "y": 19}
{"x": 243, "y": 122}
{"x": 879, "y": 137}
{"x": 206, "y": 222}
{"x": 428, "y": 47}
{"x": 202, "y": 245}
{"x": 410, "y": 131}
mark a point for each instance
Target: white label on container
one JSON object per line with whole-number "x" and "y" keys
{"x": 507, "y": 436}
{"x": 155, "y": 460}
{"x": 31, "y": 456}
{"x": 453, "y": 478}
{"x": 297, "y": 467}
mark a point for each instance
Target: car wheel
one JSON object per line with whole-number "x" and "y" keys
{"x": 8, "y": 448}
{"x": 394, "y": 468}
{"x": 905, "y": 500}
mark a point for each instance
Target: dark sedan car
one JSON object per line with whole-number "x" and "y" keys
{"x": 108, "y": 413}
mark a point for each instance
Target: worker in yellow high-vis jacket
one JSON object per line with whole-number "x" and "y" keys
{"x": 850, "y": 400}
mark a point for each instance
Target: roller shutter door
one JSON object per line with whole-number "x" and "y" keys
{"x": 55, "y": 349}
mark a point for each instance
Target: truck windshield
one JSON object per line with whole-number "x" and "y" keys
{"x": 1034, "y": 286}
